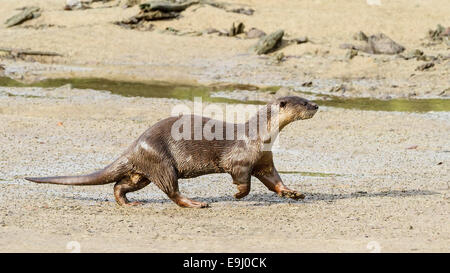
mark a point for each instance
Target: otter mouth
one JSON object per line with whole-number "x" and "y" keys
{"x": 308, "y": 114}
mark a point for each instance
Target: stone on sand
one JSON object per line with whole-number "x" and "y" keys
{"x": 269, "y": 42}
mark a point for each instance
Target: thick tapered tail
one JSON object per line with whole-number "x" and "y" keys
{"x": 109, "y": 174}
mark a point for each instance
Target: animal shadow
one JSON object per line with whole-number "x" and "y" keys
{"x": 264, "y": 199}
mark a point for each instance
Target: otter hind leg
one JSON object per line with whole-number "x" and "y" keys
{"x": 166, "y": 179}
{"x": 185, "y": 202}
{"x": 128, "y": 184}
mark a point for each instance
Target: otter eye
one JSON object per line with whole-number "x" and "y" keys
{"x": 282, "y": 104}
{"x": 303, "y": 103}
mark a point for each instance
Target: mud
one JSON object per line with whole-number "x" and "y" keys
{"x": 363, "y": 182}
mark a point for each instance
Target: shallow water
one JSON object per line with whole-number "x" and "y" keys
{"x": 400, "y": 105}
{"x": 182, "y": 91}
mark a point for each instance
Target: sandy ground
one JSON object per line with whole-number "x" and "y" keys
{"x": 381, "y": 192}
{"x": 382, "y": 196}
{"x": 89, "y": 39}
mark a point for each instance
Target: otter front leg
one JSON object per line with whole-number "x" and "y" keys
{"x": 243, "y": 184}
{"x": 243, "y": 190}
{"x": 273, "y": 182}
{"x": 128, "y": 184}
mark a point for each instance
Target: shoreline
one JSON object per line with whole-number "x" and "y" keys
{"x": 95, "y": 47}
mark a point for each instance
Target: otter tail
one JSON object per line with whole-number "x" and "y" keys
{"x": 109, "y": 174}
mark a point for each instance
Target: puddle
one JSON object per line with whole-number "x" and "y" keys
{"x": 400, "y": 105}
{"x": 188, "y": 92}
{"x": 8, "y": 82}
{"x": 141, "y": 89}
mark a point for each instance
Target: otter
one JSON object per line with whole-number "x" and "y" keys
{"x": 156, "y": 156}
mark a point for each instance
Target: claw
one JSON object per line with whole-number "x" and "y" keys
{"x": 240, "y": 195}
{"x": 243, "y": 191}
{"x": 292, "y": 194}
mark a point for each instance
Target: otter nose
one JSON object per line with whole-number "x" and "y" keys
{"x": 313, "y": 106}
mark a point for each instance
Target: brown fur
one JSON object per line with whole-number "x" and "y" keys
{"x": 157, "y": 157}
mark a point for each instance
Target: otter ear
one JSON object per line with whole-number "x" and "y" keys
{"x": 282, "y": 104}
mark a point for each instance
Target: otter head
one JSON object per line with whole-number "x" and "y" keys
{"x": 294, "y": 108}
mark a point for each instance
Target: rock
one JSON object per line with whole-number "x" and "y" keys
{"x": 279, "y": 57}
{"x": 223, "y": 32}
{"x": 236, "y": 28}
{"x": 348, "y": 46}
{"x": 439, "y": 33}
{"x": 159, "y": 15}
{"x": 147, "y": 16}
{"x": 73, "y": 4}
{"x": 210, "y": 30}
{"x": 382, "y": 44}
{"x": 26, "y": 14}
{"x": 269, "y": 42}
{"x": 245, "y": 11}
{"x": 137, "y": 25}
{"x": 338, "y": 88}
{"x": 443, "y": 57}
{"x": 190, "y": 33}
{"x": 418, "y": 55}
{"x": 360, "y": 36}
{"x": 2, "y": 70}
{"x": 130, "y": 3}
{"x": 171, "y": 30}
{"x": 254, "y": 33}
{"x": 77, "y": 5}
{"x": 445, "y": 93}
{"x": 307, "y": 84}
{"x": 165, "y": 6}
{"x": 377, "y": 44}
{"x": 300, "y": 40}
{"x": 351, "y": 53}
{"x": 426, "y": 58}
{"x": 413, "y": 54}
{"x": 157, "y": 10}
{"x": 424, "y": 66}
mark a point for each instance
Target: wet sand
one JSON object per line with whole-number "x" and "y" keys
{"x": 381, "y": 191}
